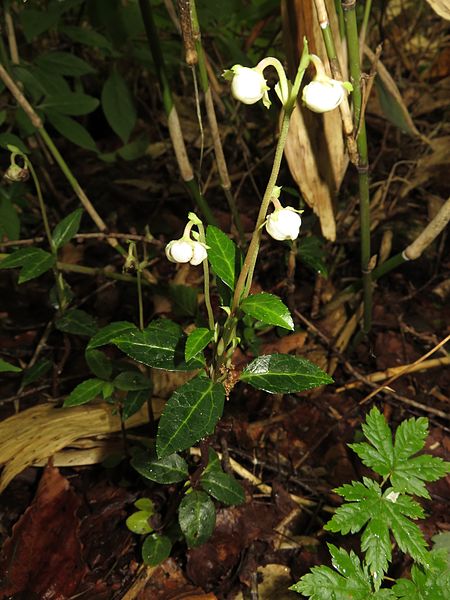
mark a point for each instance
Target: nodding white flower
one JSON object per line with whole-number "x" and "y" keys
{"x": 247, "y": 85}
{"x": 186, "y": 250}
{"x": 324, "y": 93}
{"x": 284, "y": 223}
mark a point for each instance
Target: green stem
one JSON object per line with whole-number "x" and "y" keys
{"x": 209, "y": 310}
{"x": 244, "y": 281}
{"x": 43, "y": 209}
{"x": 171, "y": 112}
{"x": 96, "y": 271}
{"x": 349, "y": 8}
{"x": 140, "y": 300}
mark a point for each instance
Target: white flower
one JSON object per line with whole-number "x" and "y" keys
{"x": 324, "y": 93}
{"x": 284, "y": 224}
{"x": 322, "y": 96}
{"x": 199, "y": 253}
{"x": 186, "y": 250}
{"x": 247, "y": 85}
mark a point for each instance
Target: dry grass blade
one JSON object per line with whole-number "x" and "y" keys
{"x": 34, "y": 435}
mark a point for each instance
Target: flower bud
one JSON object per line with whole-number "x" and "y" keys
{"x": 247, "y": 85}
{"x": 15, "y": 173}
{"x": 284, "y": 224}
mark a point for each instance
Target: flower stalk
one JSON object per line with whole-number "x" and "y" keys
{"x": 349, "y": 9}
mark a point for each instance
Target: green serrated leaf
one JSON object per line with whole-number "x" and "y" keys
{"x": 77, "y": 322}
{"x": 170, "y": 469}
{"x": 35, "y": 372}
{"x": 222, "y": 487}
{"x": 33, "y": 262}
{"x": 379, "y": 456}
{"x": 118, "y": 106}
{"x": 376, "y": 542}
{"x": 283, "y": 374}
{"x": 67, "y": 228}
{"x": 196, "y": 342}
{"x": 269, "y": 309}
{"x": 138, "y": 522}
{"x": 64, "y": 63}
{"x": 6, "y": 367}
{"x": 155, "y": 549}
{"x": 197, "y": 518}
{"x": 70, "y": 103}
{"x": 363, "y": 502}
{"x": 224, "y": 256}
{"x": 98, "y": 363}
{"x": 323, "y": 583}
{"x": 161, "y": 346}
{"x": 191, "y": 413}
{"x": 84, "y": 392}
{"x": 107, "y": 334}
{"x": 133, "y": 402}
{"x": 410, "y": 476}
{"x": 132, "y": 381}
{"x": 71, "y": 130}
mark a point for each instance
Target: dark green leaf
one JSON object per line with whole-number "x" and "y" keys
{"x": 84, "y": 392}
{"x": 393, "y": 106}
{"x": 224, "y": 255}
{"x": 107, "y": 334}
{"x": 6, "y": 367}
{"x": 197, "y": 341}
{"x": 197, "y": 518}
{"x": 155, "y": 549}
{"x": 138, "y": 522}
{"x": 376, "y": 542}
{"x": 132, "y": 381}
{"x": 161, "y": 345}
{"x": 9, "y": 219}
{"x": 77, "y": 322}
{"x": 52, "y": 83}
{"x": 67, "y": 228}
{"x": 98, "y": 363}
{"x": 118, "y": 106}
{"x": 72, "y": 130}
{"x": 378, "y": 456}
{"x": 269, "y": 309}
{"x": 87, "y": 37}
{"x": 37, "y": 371}
{"x": 283, "y": 374}
{"x": 311, "y": 252}
{"x": 213, "y": 462}
{"x": 191, "y": 413}
{"x": 107, "y": 390}
{"x": 184, "y": 300}
{"x": 34, "y": 22}
{"x": 133, "y": 402}
{"x": 9, "y": 139}
{"x": 135, "y": 149}
{"x": 170, "y": 469}
{"x": 223, "y": 487}
{"x": 33, "y": 262}
{"x": 70, "y": 103}
{"x": 64, "y": 63}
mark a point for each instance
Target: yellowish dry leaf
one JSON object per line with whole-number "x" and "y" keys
{"x": 441, "y": 7}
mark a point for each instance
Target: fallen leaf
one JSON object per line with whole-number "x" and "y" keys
{"x": 43, "y": 557}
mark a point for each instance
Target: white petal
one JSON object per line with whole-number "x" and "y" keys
{"x": 248, "y": 86}
{"x": 179, "y": 251}
{"x": 322, "y": 96}
{"x": 284, "y": 224}
{"x": 199, "y": 254}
